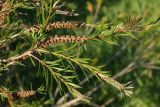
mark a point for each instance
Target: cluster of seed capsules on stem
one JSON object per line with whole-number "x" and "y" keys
{"x": 59, "y": 25}
{"x": 62, "y": 38}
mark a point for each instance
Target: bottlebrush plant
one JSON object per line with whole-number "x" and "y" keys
{"x": 39, "y": 59}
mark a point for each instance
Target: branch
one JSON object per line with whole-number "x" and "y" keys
{"x": 43, "y": 44}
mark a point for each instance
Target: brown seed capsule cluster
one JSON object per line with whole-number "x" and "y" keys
{"x": 4, "y": 12}
{"x": 19, "y": 95}
{"x": 57, "y": 39}
{"x": 59, "y": 25}
{"x": 65, "y": 25}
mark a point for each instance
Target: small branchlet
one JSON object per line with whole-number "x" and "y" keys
{"x": 111, "y": 81}
{"x": 63, "y": 38}
{"x": 132, "y": 21}
{"x": 131, "y": 24}
{"x": 82, "y": 97}
{"x": 14, "y": 59}
{"x": 122, "y": 88}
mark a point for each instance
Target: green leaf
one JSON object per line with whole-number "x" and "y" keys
{"x": 73, "y": 85}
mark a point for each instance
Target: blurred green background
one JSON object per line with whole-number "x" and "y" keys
{"x": 134, "y": 60}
